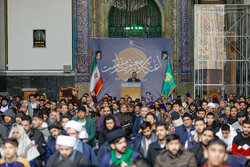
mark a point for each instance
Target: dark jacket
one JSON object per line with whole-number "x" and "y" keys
{"x": 183, "y": 158}
{"x": 198, "y": 152}
{"x": 107, "y": 160}
{"x": 104, "y": 149}
{"x": 76, "y": 157}
{"x": 131, "y": 80}
{"x": 6, "y": 127}
{"x": 136, "y": 126}
{"x": 154, "y": 150}
{"x": 215, "y": 127}
{"x": 103, "y": 136}
{"x": 139, "y": 143}
{"x": 37, "y": 136}
{"x": 231, "y": 120}
{"x": 50, "y": 148}
{"x": 125, "y": 119}
{"x": 181, "y": 131}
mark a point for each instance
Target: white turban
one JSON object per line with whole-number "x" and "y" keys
{"x": 83, "y": 134}
{"x": 211, "y": 105}
{"x": 74, "y": 125}
{"x": 68, "y": 141}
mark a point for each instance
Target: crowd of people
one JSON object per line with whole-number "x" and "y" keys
{"x": 186, "y": 131}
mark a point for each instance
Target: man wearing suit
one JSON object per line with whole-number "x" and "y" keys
{"x": 133, "y": 79}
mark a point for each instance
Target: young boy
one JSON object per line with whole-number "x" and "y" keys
{"x": 11, "y": 158}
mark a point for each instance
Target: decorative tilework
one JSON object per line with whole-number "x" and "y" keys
{"x": 185, "y": 46}
{"x": 82, "y": 55}
{"x": 174, "y": 32}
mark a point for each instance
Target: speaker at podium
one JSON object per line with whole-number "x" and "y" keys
{"x": 132, "y": 89}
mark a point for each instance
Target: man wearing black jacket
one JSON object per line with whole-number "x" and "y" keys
{"x": 36, "y": 137}
{"x": 155, "y": 148}
{"x": 198, "y": 149}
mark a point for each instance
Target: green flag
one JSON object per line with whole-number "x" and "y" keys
{"x": 168, "y": 83}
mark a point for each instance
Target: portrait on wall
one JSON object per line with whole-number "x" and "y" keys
{"x": 164, "y": 55}
{"x": 98, "y": 55}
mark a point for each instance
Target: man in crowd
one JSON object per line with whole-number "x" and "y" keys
{"x": 8, "y": 119}
{"x": 54, "y": 118}
{"x": 198, "y": 149}
{"x": 39, "y": 124}
{"x": 88, "y": 124}
{"x": 120, "y": 154}
{"x": 134, "y": 79}
{"x": 11, "y": 158}
{"x": 227, "y": 134}
{"x": 216, "y": 153}
{"x": 199, "y": 125}
{"x": 66, "y": 150}
{"x": 36, "y": 137}
{"x": 74, "y": 129}
{"x": 64, "y": 120}
{"x": 243, "y": 106}
{"x": 139, "y": 120}
{"x": 33, "y": 101}
{"x": 221, "y": 109}
{"x": 233, "y": 115}
{"x": 100, "y": 121}
{"x": 211, "y": 122}
{"x": 175, "y": 155}
{"x": 125, "y": 119}
{"x": 184, "y": 131}
{"x": 176, "y": 107}
{"x": 241, "y": 142}
{"x": 115, "y": 108}
{"x": 241, "y": 116}
{"x": 156, "y": 147}
{"x": 144, "y": 139}
{"x": 4, "y": 105}
{"x": 51, "y": 143}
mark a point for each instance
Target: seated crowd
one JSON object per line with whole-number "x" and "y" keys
{"x": 121, "y": 132}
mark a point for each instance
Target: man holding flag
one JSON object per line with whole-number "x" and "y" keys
{"x": 169, "y": 82}
{"x": 96, "y": 79}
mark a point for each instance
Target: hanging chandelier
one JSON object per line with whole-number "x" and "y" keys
{"x": 128, "y": 5}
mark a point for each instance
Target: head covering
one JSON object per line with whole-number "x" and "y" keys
{"x": 26, "y": 148}
{"x": 211, "y": 105}
{"x": 52, "y": 126}
{"x": 68, "y": 141}
{"x": 187, "y": 115}
{"x": 9, "y": 112}
{"x": 74, "y": 125}
{"x": 83, "y": 134}
{"x": 115, "y": 134}
{"x": 30, "y": 110}
{"x": 175, "y": 115}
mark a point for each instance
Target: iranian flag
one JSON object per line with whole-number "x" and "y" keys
{"x": 96, "y": 79}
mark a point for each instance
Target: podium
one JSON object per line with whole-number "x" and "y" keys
{"x": 28, "y": 91}
{"x": 131, "y": 89}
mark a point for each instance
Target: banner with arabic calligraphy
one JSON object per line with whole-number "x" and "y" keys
{"x": 122, "y": 56}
